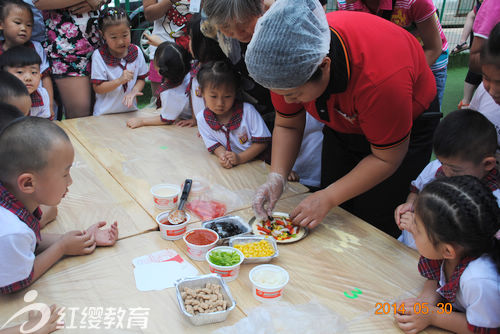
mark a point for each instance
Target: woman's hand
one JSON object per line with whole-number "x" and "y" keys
{"x": 267, "y": 195}
{"x": 312, "y": 210}
{"x": 154, "y": 40}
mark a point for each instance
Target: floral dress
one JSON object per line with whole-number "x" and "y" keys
{"x": 70, "y": 42}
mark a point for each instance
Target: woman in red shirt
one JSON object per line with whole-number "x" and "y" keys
{"x": 368, "y": 81}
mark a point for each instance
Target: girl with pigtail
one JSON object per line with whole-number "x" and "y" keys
{"x": 457, "y": 232}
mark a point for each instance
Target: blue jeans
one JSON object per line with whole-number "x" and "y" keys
{"x": 440, "y": 76}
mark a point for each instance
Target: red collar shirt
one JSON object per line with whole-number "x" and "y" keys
{"x": 380, "y": 81}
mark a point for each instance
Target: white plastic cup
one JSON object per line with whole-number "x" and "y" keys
{"x": 266, "y": 293}
{"x": 165, "y": 196}
{"x": 198, "y": 252}
{"x": 171, "y": 232}
{"x": 228, "y": 273}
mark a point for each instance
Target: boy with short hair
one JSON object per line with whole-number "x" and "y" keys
{"x": 36, "y": 158}
{"x": 8, "y": 113}
{"x": 464, "y": 143}
{"x": 24, "y": 63}
{"x": 14, "y": 92}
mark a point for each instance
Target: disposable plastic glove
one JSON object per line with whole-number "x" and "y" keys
{"x": 267, "y": 195}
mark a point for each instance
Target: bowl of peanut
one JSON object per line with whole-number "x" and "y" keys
{"x": 204, "y": 299}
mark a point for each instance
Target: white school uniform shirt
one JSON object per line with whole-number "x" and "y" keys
{"x": 427, "y": 175}
{"x": 175, "y": 101}
{"x": 245, "y": 127}
{"x": 479, "y": 293}
{"x": 197, "y": 101}
{"x": 37, "y": 109}
{"x": 106, "y": 67}
{"x": 308, "y": 163}
{"x": 484, "y": 103}
{"x": 17, "y": 248}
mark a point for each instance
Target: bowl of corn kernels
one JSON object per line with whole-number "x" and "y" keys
{"x": 257, "y": 249}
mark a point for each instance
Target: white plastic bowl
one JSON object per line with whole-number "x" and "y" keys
{"x": 228, "y": 273}
{"x": 264, "y": 292}
{"x": 198, "y": 252}
{"x": 171, "y": 232}
{"x": 165, "y": 196}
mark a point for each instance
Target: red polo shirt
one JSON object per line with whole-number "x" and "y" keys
{"x": 380, "y": 81}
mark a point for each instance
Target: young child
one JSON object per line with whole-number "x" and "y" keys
{"x": 457, "y": 232}
{"x": 486, "y": 100}
{"x": 16, "y": 23}
{"x": 233, "y": 131}
{"x": 24, "y": 63}
{"x": 14, "y": 92}
{"x": 8, "y": 113}
{"x": 36, "y": 158}
{"x": 464, "y": 144}
{"x": 118, "y": 67}
{"x": 173, "y": 64}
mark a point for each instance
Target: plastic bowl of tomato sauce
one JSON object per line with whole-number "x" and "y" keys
{"x": 199, "y": 241}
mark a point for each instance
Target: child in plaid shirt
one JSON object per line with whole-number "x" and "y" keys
{"x": 36, "y": 158}
{"x": 464, "y": 144}
{"x": 457, "y": 232}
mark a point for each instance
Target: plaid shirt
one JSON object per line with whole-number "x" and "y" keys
{"x": 113, "y": 61}
{"x": 36, "y": 99}
{"x": 9, "y": 202}
{"x": 431, "y": 269}
{"x": 233, "y": 124}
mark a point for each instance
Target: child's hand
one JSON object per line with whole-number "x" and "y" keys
{"x": 154, "y": 40}
{"x": 50, "y": 326}
{"x": 78, "y": 243}
{"x": 126, "y": 76}
{"x": 224, "y": 162}
{"x": 135, "y": 122}
{"x": 407, "y": 222}
{"x": 400, "y": 210}
{"x": 293, "y": 177}
{"x": 411, "y": 322}
{"x": 233, "y": 158}
{"x": 105, "y": 237}
{"x": 129, "y": 98}
{"x": 187, "y": 123}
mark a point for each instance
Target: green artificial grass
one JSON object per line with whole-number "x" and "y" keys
{"x": 145, "y": 99}
{"x": 454, "y": 89}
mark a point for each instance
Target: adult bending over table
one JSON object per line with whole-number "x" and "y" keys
{"x": 368, "y": 81}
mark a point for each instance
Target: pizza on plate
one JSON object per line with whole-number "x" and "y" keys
{"x": 280, "y": 228}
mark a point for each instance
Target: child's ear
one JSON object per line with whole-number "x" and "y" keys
{"x": 26, "y": 183}
{"x": 449, "y": 251}
{"x": 489, "y": 163}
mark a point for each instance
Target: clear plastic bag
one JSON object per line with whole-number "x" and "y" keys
{"x": 209, "y": 201}
{"x": 310, "y": 318}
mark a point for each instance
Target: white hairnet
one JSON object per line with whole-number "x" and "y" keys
{"x": 289, "y": 42}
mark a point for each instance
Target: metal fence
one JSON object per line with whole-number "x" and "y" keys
{"x": 452, "y": 15}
